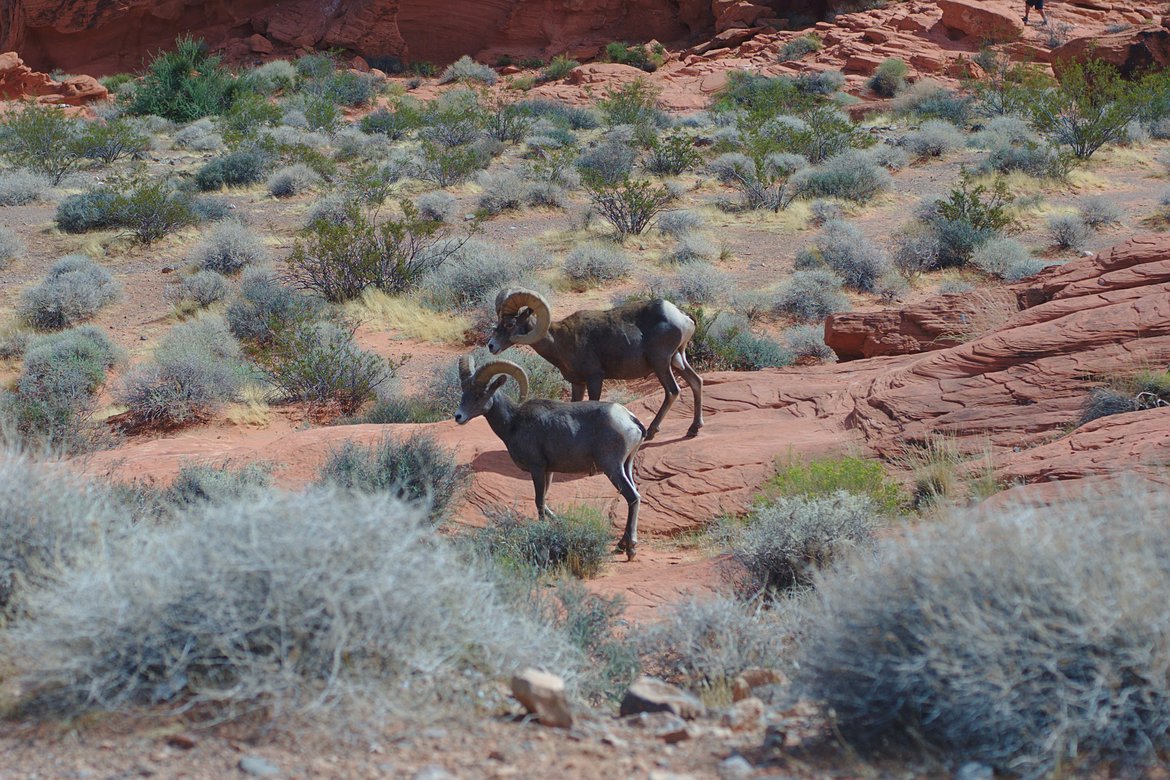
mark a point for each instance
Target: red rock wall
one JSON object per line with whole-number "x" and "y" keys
{"x": 105, "y": 36}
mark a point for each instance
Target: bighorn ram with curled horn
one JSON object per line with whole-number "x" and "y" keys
{"x": 545, "y": 437}
{"x": 626, "y": 342}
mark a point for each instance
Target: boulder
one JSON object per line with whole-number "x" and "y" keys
{"x": 1133, "y": 51}
{"x": 745, "y": 715}
{"x": 986, "y": 21}
{"x": 543, "y": 695}
{"x": 649, "y": 694}
{"x": 19, "y": 82}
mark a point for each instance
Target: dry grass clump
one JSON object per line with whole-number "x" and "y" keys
{"x": 47, "y": 521}
{"x": 1029, "y": 639}
{"x": 294, "y": 604}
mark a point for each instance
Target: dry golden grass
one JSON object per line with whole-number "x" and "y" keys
{"x": 252, "y": 410}
{"x": 408, "y": 318}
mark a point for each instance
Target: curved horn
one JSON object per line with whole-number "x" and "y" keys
{"x": 519, "y": 299}
{"x": 494, "y": 367}
{"x": 466, "y": 367}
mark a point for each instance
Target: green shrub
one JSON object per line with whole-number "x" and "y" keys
{"x": 1029, "y": 157}
{"x": 821, "y": 82}
{"x": 725, "y": 343}
{"x": 1092, "y": 105}
{"x": 888, "y": 78}
{"x": 557, "y": 69}
{"x": 761, "y": 180}
{"x": 468, "y": 70}
{"x": 320, "y": 363}
{"x": 195, "y": 369}
{"x": 108, "y": 142}
{"x": 672, "y": 155}
{"x": 931, "y": 100}
{"x": 345, "y": 88}
{"x": 418, "y": 470}
{"x": 630, "y": 206}
{"x": 272, "y": 77}
{"x": 394, "y": 124}
{"x": 447, "y": 166}
{"x": 253, "y": 605}
{"x": 851, "y": 175}
{"x": 784, "y": 542}
{"x": 153, "y": 209}
{"x": 339, "y": 260}
{"x": 184, "y": 84}
{"x": 591, "y": 264}
{"x": 575, "y": 541}
{"x": 43, "y": 139}
{"x": 633, "y": 103}
{"x": 636, "y": 55}
{"x": 800, "y": 47}
{"x": 827, "y": 476}
{"x": 761, "y": 98}
{"x": 249, "y": 114}
{"x": 561, "y": 114}
{"x": 73, "y": 290}
{"x": 1025, "y": 638}
{"x": 236, "y": 169}
{"x": 970, "y": 216}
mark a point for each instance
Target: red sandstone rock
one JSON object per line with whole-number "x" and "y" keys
{"x": 18, "y": 81}
{"x": 1019, "y": 386}
{"x": 738, "y": 13}
{"x": 982, "y": 20}
{"x": 1132, "y": 51}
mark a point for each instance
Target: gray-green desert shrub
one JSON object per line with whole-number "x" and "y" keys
{"x": 20, "y": 187}
{"x": 679, "y": 223}
{"x": 692, "y": 249}
{"x": 811, "y": 294}
{"x": 438, "y": 206}
{"x": 416, "y": 470}
{"x": 229, "y": 248}
{"x": 293, "y": 180}
{"x": 195, "y": 370}
{"x": 934, "y": 138}
{"x": 576, "y": 540}
{"x": 200, "y": 289}
{"x": 502, "y": 191}
{"x": 808, "y": 341}
{"x": 701, "y": 284}
{"x": 10, "y": 247}
{"x": 1026, "y": 638}
{"x": 1098, "y": 212}
{"x": 235, "y": 169}
{"x": 843, "y": 249}
{"x": 320, "y": 363}
{"x": 851, "y": 175}
{"x": 596, "y": 263}
{"x": 265, "y": 307}
{"x": 73, "y": 291}
{"x": 1068, "y": 231}
{"x": 466, "y": 69}
{"x": 473, "y": 274}
{"x": 255, "y": 604}
{"x": 1007, "y": 259}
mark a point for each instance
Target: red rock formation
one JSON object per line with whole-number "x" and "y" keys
{"x": 18, "y": 81}
{"x": 1014, "y": 390}
{"x": 986, "y": 21}
{"x": 1132, "y": 51}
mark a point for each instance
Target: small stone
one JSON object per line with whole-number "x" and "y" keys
{"x": 433, "y": 772}
{"x": 672, "y": 736}
{"x": 614, "y": 742}
{"x": 973, "y": 770}
{"x": 734, "y": 767}
{"x": 182, "y": 741}
{"x": 543, "y": 695}
{"x": 745, "y": 715}
{"x": 258, "y": 767}
{"x": 649, "y": 694}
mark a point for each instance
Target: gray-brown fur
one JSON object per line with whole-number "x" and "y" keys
{"x": 631, "y": 341}
{"x": 546, "y": 437}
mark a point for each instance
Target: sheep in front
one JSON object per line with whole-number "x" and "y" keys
{"x": 626, "y": 342}
{"x": 545, "y": 437}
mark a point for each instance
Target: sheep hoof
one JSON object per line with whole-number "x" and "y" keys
{"x": 650, "y": 433}
{"x": 631, "y": 553}
{"x": 693, "y": 431}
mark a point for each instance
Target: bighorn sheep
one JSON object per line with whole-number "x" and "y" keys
{"x": 626, "y": 342}
{"x": 544, "y": 437}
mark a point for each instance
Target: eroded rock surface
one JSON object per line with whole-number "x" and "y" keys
{"x": 19, "y": 82}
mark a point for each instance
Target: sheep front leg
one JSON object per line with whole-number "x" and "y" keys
{"x": 623, "y": 480}
{"x": 540, "y": 482}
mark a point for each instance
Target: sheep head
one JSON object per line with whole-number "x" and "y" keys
{"x": 522, "y": 317}
{"x": 480, "y": 386}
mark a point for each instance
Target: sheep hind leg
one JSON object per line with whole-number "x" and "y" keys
{"x": 623, "y": 480}
{"x": 692, "y": 378}
{"x": 670, "y": 385}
